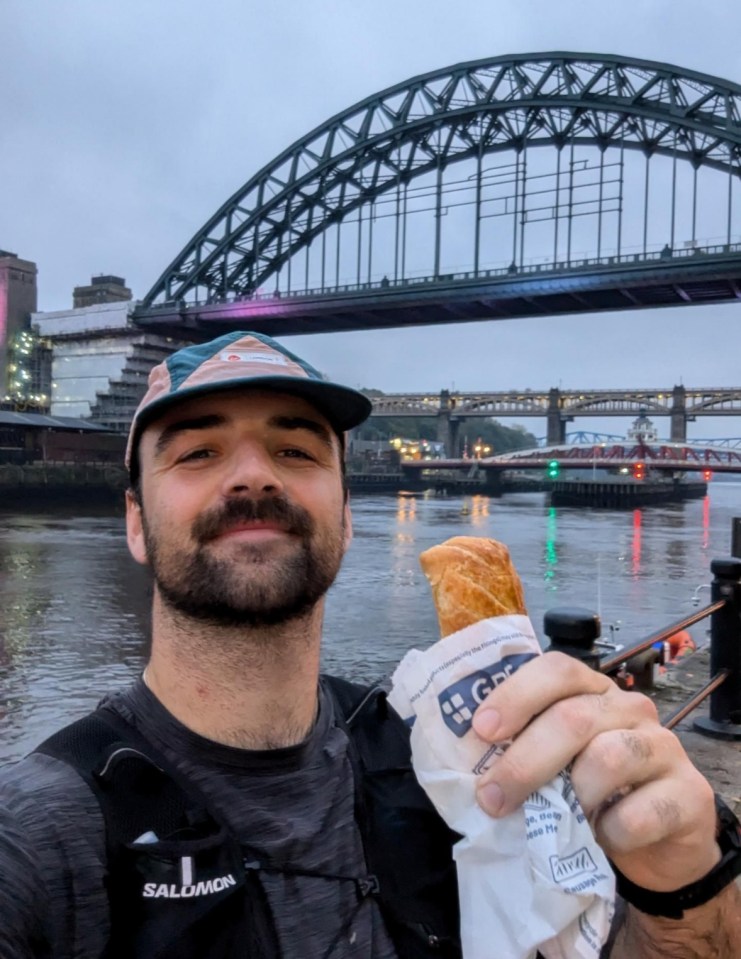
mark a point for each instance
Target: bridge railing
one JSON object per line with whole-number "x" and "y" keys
{"x": 513, "y": 271}
{"x": 576, "y": 631}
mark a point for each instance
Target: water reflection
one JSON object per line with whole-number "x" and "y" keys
{"x": 551, "y": 548}
{"x": 406, "y": 509}
{"x": 478, "y": 510}
{"x": 76, "y": 607}
{"x": 677, "y": 546}
{"x": 637, "y": 524}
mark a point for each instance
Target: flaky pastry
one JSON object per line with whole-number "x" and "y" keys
{"x": 472, "y": 578}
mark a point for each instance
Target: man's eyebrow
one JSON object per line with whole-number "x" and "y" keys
{"x": 303, "y": 423}
{"x": 168, "y": 434}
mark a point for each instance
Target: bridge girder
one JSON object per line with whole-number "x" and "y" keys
{"x": 617, "y": 406}
{"x": 726, "y": 404}
{"x": 718, "y": 402}
{"x": 469, "y": 110}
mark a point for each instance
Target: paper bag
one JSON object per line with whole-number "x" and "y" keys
{"x": 535, "y": 879}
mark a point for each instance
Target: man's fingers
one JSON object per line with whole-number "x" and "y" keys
{"x": 673, "y": 816}
{"x": 552, "y": 740}
{"x": 622, "y": 759}
{"x": 651, "y": 810}
{"x": 535, "y": 686}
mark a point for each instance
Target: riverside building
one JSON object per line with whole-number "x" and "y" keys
{"x": 100, "y": 359}
{"x": 18, "y": 300}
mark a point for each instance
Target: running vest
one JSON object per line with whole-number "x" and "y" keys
{"x": 195, "y": 893}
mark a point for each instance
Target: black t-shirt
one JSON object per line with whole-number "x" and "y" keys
{"x": 294, "y": 806}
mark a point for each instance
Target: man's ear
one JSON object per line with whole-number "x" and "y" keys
{"x": 348, "y": 522}
{"x": 135, "y": 529}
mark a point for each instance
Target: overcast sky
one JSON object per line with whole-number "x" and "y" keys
{"x": 127, "y": 123}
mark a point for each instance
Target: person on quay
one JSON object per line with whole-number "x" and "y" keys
{"x": 235, "y": 802}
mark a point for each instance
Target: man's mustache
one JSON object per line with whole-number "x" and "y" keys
{"x": 277, "y": 509}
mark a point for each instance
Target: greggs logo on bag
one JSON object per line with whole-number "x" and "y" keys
{"x": 460, "y": 701}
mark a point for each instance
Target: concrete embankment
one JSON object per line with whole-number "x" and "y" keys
{"x": 40, "y": 484}
{"x": 621, "y": 493}
{"x": 64, "y": 482}
{"x": 448, "y": 482}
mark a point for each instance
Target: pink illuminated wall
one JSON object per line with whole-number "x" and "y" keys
{"x": 18, "y": 299}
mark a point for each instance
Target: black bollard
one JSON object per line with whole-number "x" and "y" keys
{"x": 736, "y": 536}
{"x": 573, "y": 630}
{"x": 724, "y": 719}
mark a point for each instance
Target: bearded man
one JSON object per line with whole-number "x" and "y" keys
{"x": 234, "y": 802}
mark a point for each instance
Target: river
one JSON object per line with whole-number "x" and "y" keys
{"x": 75, "y": 606}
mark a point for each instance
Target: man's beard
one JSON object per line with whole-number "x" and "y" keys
{"x": 222, "y": 592}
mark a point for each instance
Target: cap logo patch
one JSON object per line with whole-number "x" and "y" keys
{"x": 242, "y": 356}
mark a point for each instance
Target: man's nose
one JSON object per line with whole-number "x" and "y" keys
{"x": 252, "y": 470}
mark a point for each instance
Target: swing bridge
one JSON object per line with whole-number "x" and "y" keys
{"x": 664, "y": 457}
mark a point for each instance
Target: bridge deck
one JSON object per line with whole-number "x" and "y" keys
{"x": 701, "y": 276}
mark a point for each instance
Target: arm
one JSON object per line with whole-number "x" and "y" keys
{"x": 710, "y": 930}
{"x": 23, "y": 898}
{"x": 650, "y": 809}
{"x": 52, "y": 855}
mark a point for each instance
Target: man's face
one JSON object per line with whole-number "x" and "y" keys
{"x": 243, "y": 516}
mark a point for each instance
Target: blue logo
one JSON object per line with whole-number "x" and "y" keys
{"x": 459, "y": 702}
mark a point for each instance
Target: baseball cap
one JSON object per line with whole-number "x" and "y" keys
{"x": 241, "y": 360}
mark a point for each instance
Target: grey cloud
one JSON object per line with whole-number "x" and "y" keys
{"x": 127, "y": 124}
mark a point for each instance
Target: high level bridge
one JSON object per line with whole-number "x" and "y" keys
{"x": 559, "y": 407}
{"x": 507, "y": 187}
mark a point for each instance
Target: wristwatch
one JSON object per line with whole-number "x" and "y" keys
{"x": 671, "y": 905}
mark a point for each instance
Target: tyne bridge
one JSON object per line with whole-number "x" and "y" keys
{"x": 501, "y": 188}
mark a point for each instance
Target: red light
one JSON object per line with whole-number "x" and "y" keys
{"x": 639, "y": 471}
{"x": 707, "y": 475}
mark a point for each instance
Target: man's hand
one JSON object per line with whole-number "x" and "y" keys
{"x": 651, "y": 811}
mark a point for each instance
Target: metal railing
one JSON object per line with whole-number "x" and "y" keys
{"x": 576, "y": 631}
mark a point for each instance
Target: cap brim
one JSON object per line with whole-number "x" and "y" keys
{"x": 341, "y": 406}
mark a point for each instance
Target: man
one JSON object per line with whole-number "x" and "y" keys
{"x": 231, "y": 802}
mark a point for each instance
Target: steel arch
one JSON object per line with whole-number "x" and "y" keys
{"x": 600, "y": 406}
{"x": 421, "y": 125}
{"x": 708, "y": 401}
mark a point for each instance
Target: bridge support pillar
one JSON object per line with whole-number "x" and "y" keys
{"x": 679, "y": 415}
{"x": 448, "y": 431}
{"x": 556, "y": 432}
{"x": 448, "y": 426}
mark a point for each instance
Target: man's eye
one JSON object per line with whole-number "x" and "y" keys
{"x": 293, "y": 453}
{"x": 200, "y": 454}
